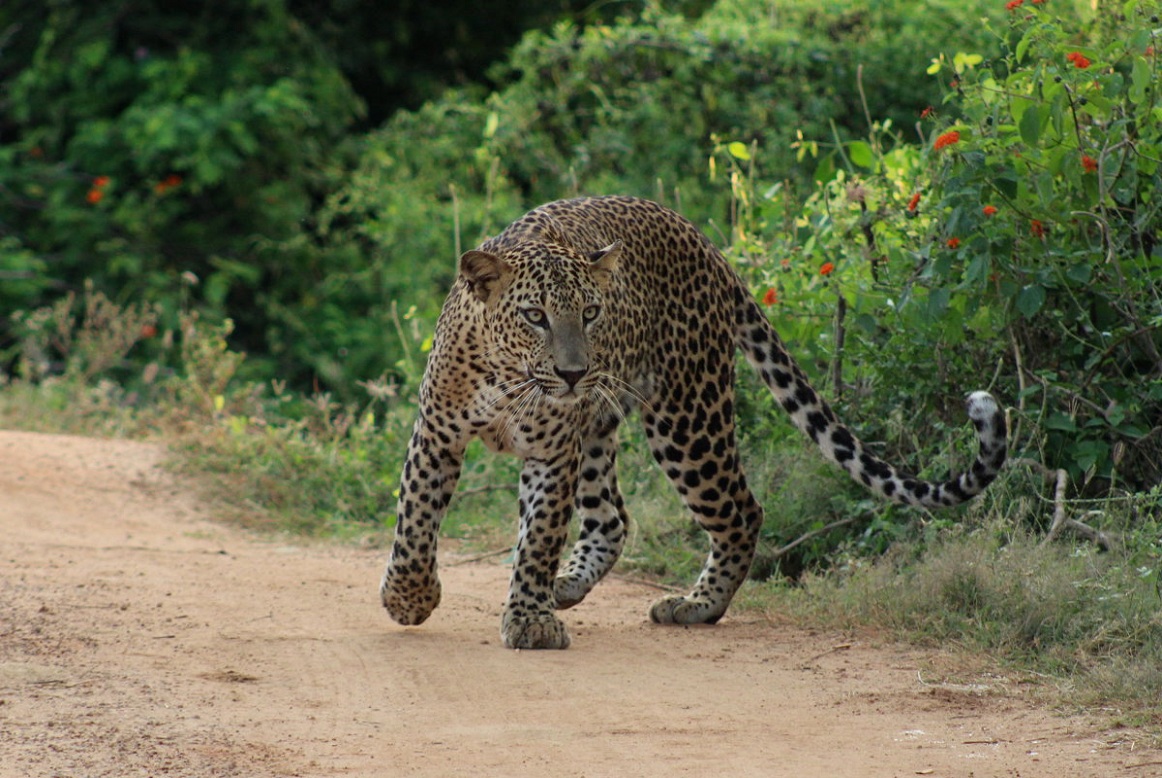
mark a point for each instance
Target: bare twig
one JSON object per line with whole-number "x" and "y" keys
{"x": 1059, "y": 517}
{"x": 646, "y": 582}
{"x": 837, "y": 362}
{"x": 1061, "y": 521}
{"x": 813, "y": 533}
{"x": 1020, "y": 386}
{"x": 480, "y": 557}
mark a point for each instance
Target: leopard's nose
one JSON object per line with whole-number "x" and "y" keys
{"x": 571, "y": 377}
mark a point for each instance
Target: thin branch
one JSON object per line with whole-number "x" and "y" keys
{"x": 840, "y": 334}
{"x": 480, "y": 557}
{"x": 812, "y": 534}
{"x": 1061, "y": 521}
{"x": 645, "y": 582}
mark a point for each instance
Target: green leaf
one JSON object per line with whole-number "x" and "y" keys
{"x": 1031, "y": 124}
{"x": 1025, "y": 42}
{"x": 1059, "y": 421}
{"x": 962, "y": 61}
{"x": 977, "y": 269}
{"x": 1030, "y": 299}
{"x": 1139, "y": 80}
{"x": 1079, "y": 273}
{"x": 938, "y": 303}
{"x": 861, "y": 154}
{"x": 739, "y": 150}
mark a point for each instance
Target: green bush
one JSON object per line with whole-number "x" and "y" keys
{"x": 1015, "y": 248}
{"x": 627, "y": 107}
{"x": 146, "y": 146}
{"x": 1048, "y": 191}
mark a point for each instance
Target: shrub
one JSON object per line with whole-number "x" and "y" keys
{"x": 1017, "y": 246}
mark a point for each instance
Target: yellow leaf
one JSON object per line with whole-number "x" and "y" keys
{"x": 739, "y": 151}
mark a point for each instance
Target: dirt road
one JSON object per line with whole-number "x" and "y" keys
{"x": 138, "y": 638}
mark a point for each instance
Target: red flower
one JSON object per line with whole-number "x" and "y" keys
{"x": 167, "y": 183}
{"x": 94, "y": 196}
{"x": 947, "y": 139}
{"x": 952, "y": 243}
{"x": 148, "y": 330}
{"x": 1013, "y": 5}
{"x": 1078, "y": 59}
{"x": 771, "y": 297}
{"x": 826, "y": 269}
{"x": 1088, "y": 163}
{"x": 914, "y": 202}
{"x": 927, "y": 112}
{"x": 100, "y": 182}
{"x": 989, "y": 210}
{"x": 1037, "y": 228}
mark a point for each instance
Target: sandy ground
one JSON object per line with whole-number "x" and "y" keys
{"x": 138, "y": 638}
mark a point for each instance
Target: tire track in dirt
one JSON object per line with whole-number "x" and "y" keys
{"x": 139, "y": 638}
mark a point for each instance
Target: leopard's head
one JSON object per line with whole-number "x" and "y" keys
{"x": 543, "y": 305}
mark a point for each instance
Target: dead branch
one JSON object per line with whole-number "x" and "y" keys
{"x": 480, "y": 557}
{"x": 778, "y": 554}
{"x": 1061, "y": 520}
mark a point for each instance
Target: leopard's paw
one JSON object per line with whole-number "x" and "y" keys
{"x": 570, "y": 590}
{"x": 409, "y": 600}
{"x": 537, "y": 630}
{"x": 685, "y": 610}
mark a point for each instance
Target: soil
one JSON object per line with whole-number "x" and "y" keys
{"x": 140, "y": 638}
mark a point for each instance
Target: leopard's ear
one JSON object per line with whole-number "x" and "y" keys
{"x": 483, "y": 272}
{"x": 603, "y": 262}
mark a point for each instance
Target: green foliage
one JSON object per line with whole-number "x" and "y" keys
{"x": 1051, "y": 193}
{"x": 1023, "y": 247}
{"x": 628, "y": 107}
{"x": 146, "y": 146}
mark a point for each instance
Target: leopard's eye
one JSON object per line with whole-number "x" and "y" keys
{"x": 590, "y": 314}
{"x": 535, "y": 317}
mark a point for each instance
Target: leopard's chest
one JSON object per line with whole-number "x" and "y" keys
{"x": 533, "y": 426}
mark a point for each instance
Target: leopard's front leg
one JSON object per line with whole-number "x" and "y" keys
{"x": 546, "y": 505}
{"x": 410, "y": 588}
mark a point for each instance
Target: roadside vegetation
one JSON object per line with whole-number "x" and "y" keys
{"x": 926, "y": 202}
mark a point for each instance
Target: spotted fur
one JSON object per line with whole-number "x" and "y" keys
{"x": 578, "y": 313}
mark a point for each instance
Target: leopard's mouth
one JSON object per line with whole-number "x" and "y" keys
{"x": 555, "y": 390}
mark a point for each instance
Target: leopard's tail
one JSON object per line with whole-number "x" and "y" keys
{"x": 811, "y": 414}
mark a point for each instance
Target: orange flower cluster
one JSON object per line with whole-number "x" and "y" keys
{"x": 771, "y": 297}
{"x": 1037, "y": 228}
{"x": 952, "y": 243}
{"x": 947, "y": 139}
{"x": 1013, "y": 5}
{"x": 1088, "y": 163}
{"x": 989, "y": 210}
{"x": 1078, "y": 59}
{"x": 914, "y": 202}
{"x": 97, "y": 190}
{"x": 167, "y": 183}
{"x": 826, "y": 269}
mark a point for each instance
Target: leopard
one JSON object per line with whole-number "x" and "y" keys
{"x": 577, "y": 315}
